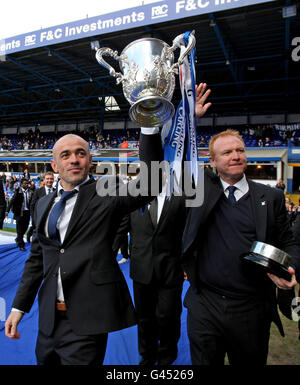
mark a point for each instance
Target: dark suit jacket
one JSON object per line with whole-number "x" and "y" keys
{"x": 271, "y": 222}
{"x": 157, "y": 248}
{"x": 96, "y": 294}
{"x": 16, "y": 204}
{"x": 39, "y": 193}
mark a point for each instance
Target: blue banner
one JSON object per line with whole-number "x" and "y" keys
{"x": 117, "y": 21}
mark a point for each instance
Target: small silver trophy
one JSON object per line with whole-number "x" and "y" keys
{"x": 269, "y": 258}
{"x": 147, "y": 77}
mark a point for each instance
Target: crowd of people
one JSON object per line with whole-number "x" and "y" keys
{"x": 35, "y": 140}
{"x": 253, "y": 135}
{"x": 83, "y": 294}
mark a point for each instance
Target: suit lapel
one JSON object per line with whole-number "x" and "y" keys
{"x": 44, "y": 207}
{"x": 260, "y": 207}
{"x": 148, "y": 216}
{"x": 197, "y": 215}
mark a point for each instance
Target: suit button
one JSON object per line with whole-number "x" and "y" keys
{"x": 62, "y": 251}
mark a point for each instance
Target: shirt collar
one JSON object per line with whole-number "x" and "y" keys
{"x": 241, "y": 185}
{"x": 59, "y": 186}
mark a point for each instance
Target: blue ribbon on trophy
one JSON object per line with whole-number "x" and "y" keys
{"x": 183, "y": 126}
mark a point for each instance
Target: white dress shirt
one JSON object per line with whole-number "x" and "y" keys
{"x": 48, "y": 190}
{"x": 242, "y": 188}
{"x": 160, "y": 202}
{"x": 62, "y": 226}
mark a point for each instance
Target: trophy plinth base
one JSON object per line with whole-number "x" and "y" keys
{"x": 268, "y": 265}
{"x": 151, "y": 111}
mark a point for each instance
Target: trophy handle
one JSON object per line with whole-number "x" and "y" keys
{"x": 177, "y": 43}
{"x": 109, "y": 52}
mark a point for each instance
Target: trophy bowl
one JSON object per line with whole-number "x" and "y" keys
{"x": 269, "y": 258}
{"x": 147, "y": 77}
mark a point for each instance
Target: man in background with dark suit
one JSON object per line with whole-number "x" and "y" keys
{"x": 20, "y": 206}
{"x": 39, "y": 193}
{"x": 155, "y": 240}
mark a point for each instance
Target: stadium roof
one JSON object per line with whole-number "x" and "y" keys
{"x": 243, "y": 54}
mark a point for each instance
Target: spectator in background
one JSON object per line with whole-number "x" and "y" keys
{"x": 99, "y": 137}
{"x": 267, "y": 142}
{"x": 45, "y": 188}
{"x": 258, "y": 132}
{"x": 280, "y": 185}
{"x": 10, "y": 183}
{"x": 3, "y": 178}
{"x": 32, "y": 185}
{"x": 26, "y": 145}
{"x": 20, "y": 206}
{"x": 202, "y": 142}
{"x": 260, "y": 143}
{"x": 26, "y": 174}
{"x": 108, "y": 140}
{"x": 124, "y": 144}
{"x": 291, "y": 213}
{"x": 46, "y": 144}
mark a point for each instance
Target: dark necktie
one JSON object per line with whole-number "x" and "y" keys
{"x": 153, "y": 211}
{"x": 231, "y": 196}
{"x": 26, "y": 200}
{"x": 56, "y": 213}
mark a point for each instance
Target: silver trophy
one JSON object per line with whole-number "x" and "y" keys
{"x": 269, "y": 258}
{"x": 147, "y": 77}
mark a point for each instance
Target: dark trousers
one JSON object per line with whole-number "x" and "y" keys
{"x": 218, "y": 325}
{"x": 158, "y": 310}
{"x": 64, "y": 347}
{"x": 22, "y": 223}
